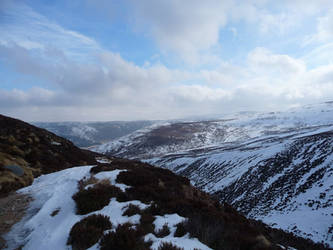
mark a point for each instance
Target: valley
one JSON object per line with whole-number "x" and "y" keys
{"x": 276, "y": 167}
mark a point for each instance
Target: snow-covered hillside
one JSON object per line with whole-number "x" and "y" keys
{"x": 277, "y": 167}
{"x": 51, "y": 215}
{"x": 126, "y": 204}
{"x": 174, "y": 137}
{"x": 286, "y": 181}
{"x": 85, "y": 134}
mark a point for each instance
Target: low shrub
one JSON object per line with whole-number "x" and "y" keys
{"x": 168, "y": 246}
{"x": 154, "y": 209}
{"x": 96, "y": 197}
{"x": 88, "y": 231}
{"x": 132, "y": 210}
{"x": 146, "y": 223}
{"x": 102, "y": 167}
{"x": 210, "y": 231}
{"x": 218, "y": 226}
{"x": 180, "y": 230}
{"x": 86, "y": 181}
{"x": 164, "y": 231}
{"x": 124, "y": 238}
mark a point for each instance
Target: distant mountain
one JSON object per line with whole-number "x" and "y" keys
{"x": 27, "y": 152}
{"x": 85, "y": 134}
{"x": 277, "y": 166}
{"x": 174, "y": 137}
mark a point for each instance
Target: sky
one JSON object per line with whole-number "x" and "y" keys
{"x": 103, "y": 60}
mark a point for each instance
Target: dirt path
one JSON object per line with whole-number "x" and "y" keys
{"x": 12, "y": 210}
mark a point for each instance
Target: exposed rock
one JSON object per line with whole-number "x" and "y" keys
{"x": 15, "y": 169}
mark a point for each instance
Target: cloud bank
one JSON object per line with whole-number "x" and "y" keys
{"x": 80, "y": 79}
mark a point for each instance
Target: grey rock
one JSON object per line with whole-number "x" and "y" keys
{"x": 15, "y": 169}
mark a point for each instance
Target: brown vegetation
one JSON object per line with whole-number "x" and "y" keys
{"x": 95, "y": 198}
{"x": 88, "y": 231}
{"x": 164, "y": 231}
{"x": 218, "y": 226}
{"x": 12, "y": 210}
{"x": 36, "y": 151}
{"x": 132, "y": 210}
{"x": 168, "y": 246}
{"x": 124, "y": 238}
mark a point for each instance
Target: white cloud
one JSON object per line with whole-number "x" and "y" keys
{"x": 261, "y": 59}
{"x": 117, "y": 89}
{"x": 108, "y": 87}
{"x": 199, "y": 93}
{"x": 31, "y": 30}
{"x": 325, "y": 28}
{"x": 319, "y": 56}
{"x": 185, "y": 27}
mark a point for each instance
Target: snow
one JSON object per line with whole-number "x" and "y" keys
{"x": 314, "y": 226}
{"x": 172, "y": 220}
{"x": 103, "y": 160}
{"x": 217, "y": 168}
{"x": 112, "y": 176}
{"x": 55, "y": 143}
{"x": 126, "y": 140}
{"x": 184, "y": 242}
{"x": 83, "y": 131}
{"x": 39, "y": 230}
{"x": 228, "y": 129}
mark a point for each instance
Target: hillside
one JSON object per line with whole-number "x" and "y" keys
{"x": 27, "y": 152}
{"x": 276, "y": 167}
{"x": 131, "y": 205}
{"x": 227, "y": 131}
{"x": 86, "y": 134}
{"x": 114, "y": 203}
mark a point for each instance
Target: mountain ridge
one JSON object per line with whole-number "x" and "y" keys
{"x": 149, "y": 207}
{"x": 265, "y": 152}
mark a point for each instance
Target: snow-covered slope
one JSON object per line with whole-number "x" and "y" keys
{"x": 85, "y": 134}
{"x": 127, "y": 204}
{"x": 174, "y": 137}
{"x": 277, "y": 167}
{"x": 51, "y": 215}
{"x": 286, "y": 181}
